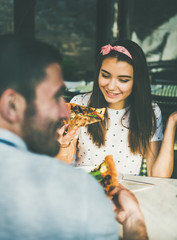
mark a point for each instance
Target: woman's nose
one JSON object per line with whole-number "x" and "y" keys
{"x": 112, "y": 84}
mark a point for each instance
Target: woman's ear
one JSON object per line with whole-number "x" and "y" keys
{"x": 10, "y": 105}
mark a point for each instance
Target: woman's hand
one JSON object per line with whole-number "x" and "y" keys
{"x": 164, "y": 162}
{"x": 173, "y": 118}
{"x": 65, "y": 138}
{"x": 67, "y": 143}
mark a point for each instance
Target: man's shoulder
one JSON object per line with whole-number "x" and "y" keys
{"x": 45, "y": 167}
{"x": 28, "y": 165}
{"x": 62, "y": 188}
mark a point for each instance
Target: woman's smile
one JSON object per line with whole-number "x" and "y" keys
{"x": 112, "y": 94}
{"x": 116, "y": 82}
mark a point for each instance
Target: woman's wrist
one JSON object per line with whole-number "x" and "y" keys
{"x": 65, "y": 145}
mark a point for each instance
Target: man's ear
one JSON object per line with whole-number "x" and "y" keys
{"x": 9, "y": 105}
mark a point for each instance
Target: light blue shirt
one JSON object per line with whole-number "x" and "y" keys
{"x": 43, "y": 198}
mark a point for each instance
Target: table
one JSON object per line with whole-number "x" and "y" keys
{"x": 158, "y": 203}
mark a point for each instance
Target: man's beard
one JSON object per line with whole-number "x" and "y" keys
{"x": 40, "y": 137}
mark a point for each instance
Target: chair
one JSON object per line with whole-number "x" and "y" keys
{"x": 163, "y": 72}
{"x": 174, "y": 174}
{"x": 167, "y": 105}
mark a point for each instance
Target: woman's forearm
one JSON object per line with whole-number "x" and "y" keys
{"x": 163, "y": 165}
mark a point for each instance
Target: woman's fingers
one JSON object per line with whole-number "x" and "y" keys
{"x": 68, "y": 137}
{"x": 62, "y": 130}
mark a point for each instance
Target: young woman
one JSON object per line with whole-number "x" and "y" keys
{"x": 132, "y": 129}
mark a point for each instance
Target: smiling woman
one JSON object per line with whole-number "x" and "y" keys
{"x": 132, "y": 128}
{"x": 116, "y": 82}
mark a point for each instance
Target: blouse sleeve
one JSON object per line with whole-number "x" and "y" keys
{"x": 158, "y": 135}
{"x": 81, "y": 99}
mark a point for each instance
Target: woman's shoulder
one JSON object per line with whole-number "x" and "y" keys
{"x": 81, "y": 99}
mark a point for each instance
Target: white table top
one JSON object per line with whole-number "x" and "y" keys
{"x": 158, "y": 203}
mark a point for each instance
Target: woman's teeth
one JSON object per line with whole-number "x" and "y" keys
{"x": 113, "y": 94}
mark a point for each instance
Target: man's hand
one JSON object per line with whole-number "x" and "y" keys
{"x": 129, "y": 214}
{"x": 125, "y": 203}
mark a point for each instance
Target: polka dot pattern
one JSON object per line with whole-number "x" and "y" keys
{"x": 89, "y": 154}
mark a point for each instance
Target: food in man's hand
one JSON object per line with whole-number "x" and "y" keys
{"x": 106, "y": 174}
{"x": 82, "y": 116}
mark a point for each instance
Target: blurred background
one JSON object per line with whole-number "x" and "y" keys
{"x": 79, "y": 28}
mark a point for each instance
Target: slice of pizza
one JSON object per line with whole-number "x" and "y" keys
{"x": 82, "y": 116}
{"x": 106, "y": 174}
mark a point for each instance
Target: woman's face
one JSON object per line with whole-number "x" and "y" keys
{"x": 116, "y": 82}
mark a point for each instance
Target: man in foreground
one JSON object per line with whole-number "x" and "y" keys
{"x": 41, "y": 197}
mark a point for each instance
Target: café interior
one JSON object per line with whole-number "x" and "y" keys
{"x": 79, "y": 29}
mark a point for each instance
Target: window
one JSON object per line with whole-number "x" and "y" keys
{"x": 6, "y": 16}
{"x": 71, "y": 28}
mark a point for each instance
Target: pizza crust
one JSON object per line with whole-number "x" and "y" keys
{"x": 106, "y": 174}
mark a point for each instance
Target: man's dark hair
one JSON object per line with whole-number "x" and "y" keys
{"x": 23, "y": 62}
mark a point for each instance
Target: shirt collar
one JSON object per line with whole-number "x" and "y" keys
{"x": 13, "y": 138}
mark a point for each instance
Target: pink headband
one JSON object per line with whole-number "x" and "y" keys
{"x": 107, "y": 48}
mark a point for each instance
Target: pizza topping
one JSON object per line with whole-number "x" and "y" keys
{"x": 82, "y": 115}
{"x": 103, "y": 168}
{"x": 94, "y": 116}
{"x": 106, "y": 173}
{"x": 77, "y": 109}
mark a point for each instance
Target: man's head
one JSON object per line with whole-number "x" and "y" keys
{"x": 31, "y": 92}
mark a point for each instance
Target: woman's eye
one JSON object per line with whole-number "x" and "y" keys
{"x": 123, "y": 80}
{"x": 105, "y": 76}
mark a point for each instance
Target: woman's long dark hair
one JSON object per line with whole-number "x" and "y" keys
{"x": 142, "y": 122}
